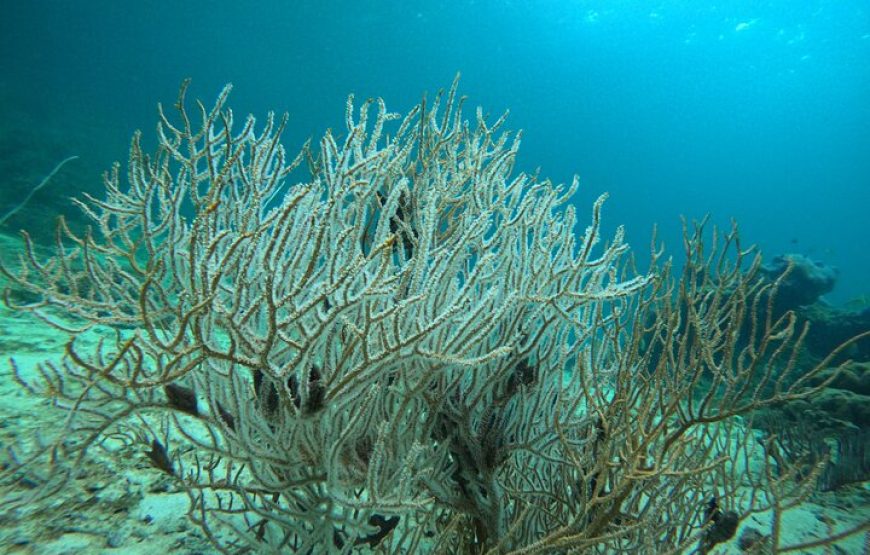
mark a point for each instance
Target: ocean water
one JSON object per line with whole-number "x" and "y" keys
{"x": 752, "y": 110}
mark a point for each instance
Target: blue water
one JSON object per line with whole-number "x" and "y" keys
{"x": 758, "y": 111}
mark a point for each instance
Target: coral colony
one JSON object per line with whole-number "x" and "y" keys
{"x": 392, "y": 341}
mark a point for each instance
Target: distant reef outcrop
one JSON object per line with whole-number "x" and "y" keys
{"x": 801, "y": 290}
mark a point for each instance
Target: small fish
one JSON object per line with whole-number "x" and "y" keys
{"x": 181, "y": 398}
{"x": 744, "y": 25}
{"x": 228, "y": 418}
{"x": 160, "y": 457}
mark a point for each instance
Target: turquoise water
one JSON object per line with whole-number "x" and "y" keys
{"x": 758, "y": 111}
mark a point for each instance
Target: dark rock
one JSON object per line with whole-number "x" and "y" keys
{"x": 117, "y": 537}
{"x": 854, "y": 377}
{"x": 845, "y": 405}
{"x": 831, "y": 326}
{"x": 750, "y": 538}
{"x": 806, "y": 282}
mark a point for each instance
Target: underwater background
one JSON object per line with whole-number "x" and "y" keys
{"x": 753, "y": 110}
{"x": 757, "y": 111}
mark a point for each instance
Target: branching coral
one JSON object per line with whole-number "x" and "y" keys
{"x": 409, "y": 350}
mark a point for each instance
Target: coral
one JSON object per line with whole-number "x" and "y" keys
{"x": 406, "y": 347}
